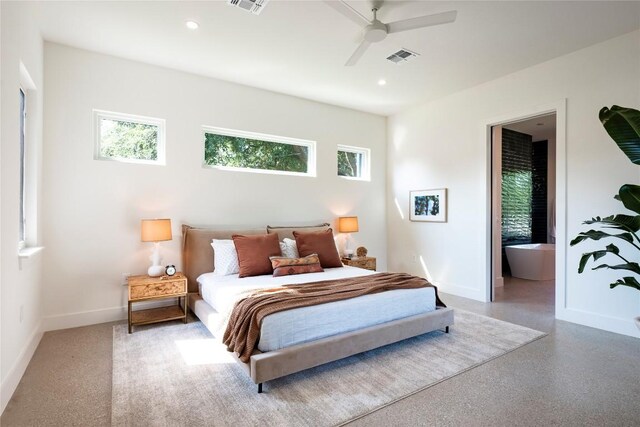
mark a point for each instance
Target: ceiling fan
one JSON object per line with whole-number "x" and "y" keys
{"x": 376, "y": 31}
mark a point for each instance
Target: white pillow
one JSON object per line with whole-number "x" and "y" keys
{"x": 225, "y": 258}
{"x": 289, "y": 248}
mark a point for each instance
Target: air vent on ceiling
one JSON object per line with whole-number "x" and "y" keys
{"x": 402, "y": 56}
{"x": 253, "y": 6}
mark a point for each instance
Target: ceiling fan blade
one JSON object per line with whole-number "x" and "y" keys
{"x": 422, "y": 21}
{"x": 358, "y": 53}
{"x": 347, "y": 11}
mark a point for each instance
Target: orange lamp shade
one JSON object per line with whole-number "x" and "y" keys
{"x": 155, "y": 230}
{"x": 348, "y": 224}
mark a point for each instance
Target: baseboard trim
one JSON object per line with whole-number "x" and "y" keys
{"x": 94, "y": 317}
{"x": 607, "y": 323}
{"x": 83, "y": 318}
{"x": 16, "y": 372}
{"x": 462, "y": 291}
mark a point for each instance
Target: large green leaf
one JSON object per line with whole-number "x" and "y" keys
{"x": 626, "y": 281}
{"x": 597, "y": 235}
{"x": 611, "y": 248}
{"x": 585, "y": 258}
{"x": 630, "y": 197}
{"x": 619, "y": 222}
{"x": 630, "y": 266}
{"x": 623, "y": 125}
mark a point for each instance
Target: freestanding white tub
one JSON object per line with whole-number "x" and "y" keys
{"x": 536, "y": 261}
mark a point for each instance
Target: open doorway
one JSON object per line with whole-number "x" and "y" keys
{"x": 523, "y": 210}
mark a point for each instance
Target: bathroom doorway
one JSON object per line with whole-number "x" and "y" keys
{"x": 523, "y": 211}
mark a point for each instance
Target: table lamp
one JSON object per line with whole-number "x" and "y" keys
{"x": 156, "y": 231}
{"x": 348, "y": 225}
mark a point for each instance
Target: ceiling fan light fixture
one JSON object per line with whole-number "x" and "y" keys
{"x": 375, "y": 32}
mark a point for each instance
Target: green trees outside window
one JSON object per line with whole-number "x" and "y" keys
{"x": 240, "y": 152}
{"x": 349, "y": 163}
{"x": 353, "y": 162}
{"x": 128, "y": 138}
{"x": 516, "y": 206}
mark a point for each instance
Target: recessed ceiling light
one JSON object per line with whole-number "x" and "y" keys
{"x": 192, "y": 25}
{"x": 382, "y": 82}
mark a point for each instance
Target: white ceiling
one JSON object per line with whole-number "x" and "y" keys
{"x": 299, "y": 47}
{"x": 540, "y": 128}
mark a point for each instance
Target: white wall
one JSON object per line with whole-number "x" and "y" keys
{"x": 20, "y": 281}
{"x": 440, "y": 144}
{"x": 93, "y": 208}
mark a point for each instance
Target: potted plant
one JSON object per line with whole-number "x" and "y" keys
{"x": 623, "y": 125}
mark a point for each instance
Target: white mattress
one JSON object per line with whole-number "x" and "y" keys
{"x": 299, "y": 325}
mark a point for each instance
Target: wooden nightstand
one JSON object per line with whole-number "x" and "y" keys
{"x": 367, "y": 262}
{"x": 145, "y": 288}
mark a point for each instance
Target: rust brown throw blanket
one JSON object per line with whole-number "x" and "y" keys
{"x": 243, "y": 330}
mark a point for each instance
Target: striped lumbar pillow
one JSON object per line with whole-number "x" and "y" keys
{"x": 287, "y": 266}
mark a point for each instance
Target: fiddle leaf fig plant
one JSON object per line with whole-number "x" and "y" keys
{"x": 623, "y": 125}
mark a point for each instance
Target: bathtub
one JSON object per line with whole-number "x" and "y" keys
{"x": 536, "y": 261}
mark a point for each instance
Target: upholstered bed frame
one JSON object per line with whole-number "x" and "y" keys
{"x": 197, "y": 258}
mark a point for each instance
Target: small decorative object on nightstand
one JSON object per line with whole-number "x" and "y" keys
{"x": 361, "y": 252}
{"x": 368, "y": 263}
{"x": 170, "y": 270}
{"x": 145, "y": 288}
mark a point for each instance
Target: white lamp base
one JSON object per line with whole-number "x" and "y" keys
{"x": 155, "y": 271}
{"x": 348, "y": 252}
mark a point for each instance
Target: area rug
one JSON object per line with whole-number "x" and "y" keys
{"x": 179, "y": 374}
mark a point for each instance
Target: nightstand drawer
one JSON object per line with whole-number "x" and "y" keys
{"x": 154, "y": 288}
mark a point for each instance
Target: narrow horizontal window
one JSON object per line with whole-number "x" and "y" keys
{"x": 129, "y": 138}
{"x": 354, "y": 162}
{"x": 254, "y": 152}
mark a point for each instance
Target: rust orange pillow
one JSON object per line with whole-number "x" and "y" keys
{"x": 254, "y": 252}
{"x": 283, "y": 266}
{"x": 321, "y": 243}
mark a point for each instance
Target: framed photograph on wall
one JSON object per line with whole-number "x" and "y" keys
{"x": 428, "y": 205}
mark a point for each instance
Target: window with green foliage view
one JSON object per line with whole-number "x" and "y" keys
{"x": 353, "y": 162}
{"x": 258, "y": 152}
{"x": 129, "y": 138}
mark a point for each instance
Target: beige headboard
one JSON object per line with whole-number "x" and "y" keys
{"x": 197, "y": 253}
{"x": 286, "y": 232}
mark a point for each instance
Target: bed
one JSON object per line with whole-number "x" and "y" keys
{"x": 301, "y": 338}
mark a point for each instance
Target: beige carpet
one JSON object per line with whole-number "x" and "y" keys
{"x": 178, "y": 374}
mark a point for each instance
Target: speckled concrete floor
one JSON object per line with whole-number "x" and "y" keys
{"x": 575, "y": 376}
